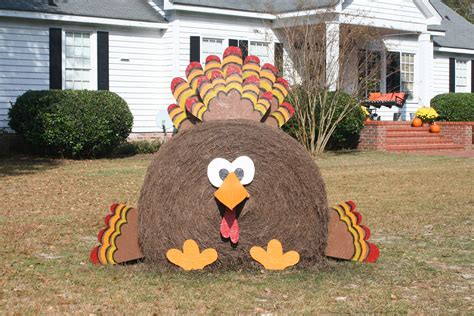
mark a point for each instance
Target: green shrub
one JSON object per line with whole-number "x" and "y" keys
{"x": 72, "y": 123}
{"x": 137, "y": 147}
{"x": 346, "y": 134}
{"x": 454, "y": 107}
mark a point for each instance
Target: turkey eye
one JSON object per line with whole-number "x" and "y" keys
{"x": 244, "y": 169}
{"x": 223, "y": 173}
{"x": 239, "y": 172}
{"x": 217, "y": 171}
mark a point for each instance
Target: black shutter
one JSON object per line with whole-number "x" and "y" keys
{"x": 55, "y": 59}
{"x": 244, "y": 46}
{"x": 472, "y": 76}
{"x": 233, "y": 42}
{"x": 393, "y": 72}
{"x": 195, "y": 49}
{"x": 279, "y": 57}
{"x": 452, "y": 75}
{"x": 103, "y": 60}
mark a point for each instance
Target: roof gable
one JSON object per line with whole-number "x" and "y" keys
{"x": 459, "y": 31}
{"x": 135, "y": 10}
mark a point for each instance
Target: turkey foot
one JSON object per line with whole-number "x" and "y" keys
{"x": 273, "y": 258}
{"x": 191, "y": 258}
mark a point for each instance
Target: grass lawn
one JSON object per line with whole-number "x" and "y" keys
{"x": 420, "y": 210}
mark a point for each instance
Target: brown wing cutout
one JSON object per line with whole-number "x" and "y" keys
{"x": 119, "y": 239}
{"x": 347, "y": 237}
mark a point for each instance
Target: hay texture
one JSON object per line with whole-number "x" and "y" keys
{"x": 287, "y": 196}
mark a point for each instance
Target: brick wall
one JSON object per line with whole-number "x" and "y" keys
{"x": 374, "y": 134}
{"x": 149, "y": 136}
{"x": 459, "y": 132}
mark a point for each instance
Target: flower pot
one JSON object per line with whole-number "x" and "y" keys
{"x": 435, "y": 128}
{"x": 417, "y": 122}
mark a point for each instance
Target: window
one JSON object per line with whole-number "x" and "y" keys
{"x": 370, "y": 72}
{"x": 407, "y": 74}
{"x": 78, "y": 60}
{"x": 461, "y": 76}
{"x": 261, "y": 50}
{"x": 211, "y": 46}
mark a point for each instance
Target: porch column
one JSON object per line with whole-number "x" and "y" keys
{"x": 425, "y": 69}
{"x": 332, "y": 54}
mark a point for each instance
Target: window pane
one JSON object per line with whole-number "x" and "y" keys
{"x": 77, "y": 60}
{"x": 86, "y": 40}
{"x": 69, "y": 39}
{"x": 212, "y": 46}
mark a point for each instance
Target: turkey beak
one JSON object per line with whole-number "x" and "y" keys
{"x": 231, "y": 193}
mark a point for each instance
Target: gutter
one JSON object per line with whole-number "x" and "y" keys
{"x": 81, "y": 19}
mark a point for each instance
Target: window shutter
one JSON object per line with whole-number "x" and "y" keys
{"x": 103, "y": 60}
{"x": 244, "y": 46}
{"x": 393, "y": 72}
{"x": 195, "y": 49}
{"x": 233, "y": 42}
{"x": 55, "y": 59}
{"x": 472, "y": 76}
{"x": 452, "y": 75}
{"x": 279, "y": 57}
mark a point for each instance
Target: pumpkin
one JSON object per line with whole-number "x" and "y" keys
{"x": 435, "y": 128}
{"x": 417, "y": 122}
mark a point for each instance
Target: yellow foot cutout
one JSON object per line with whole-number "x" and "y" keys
{"x": 191, "y": 258}
{"x": 274, "y": 258}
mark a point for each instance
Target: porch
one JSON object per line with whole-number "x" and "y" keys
{"x": 402, "y": 137}
{"x": 400, "y": 58}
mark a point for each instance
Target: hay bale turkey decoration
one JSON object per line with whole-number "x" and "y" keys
{"x": 232, "y": 189}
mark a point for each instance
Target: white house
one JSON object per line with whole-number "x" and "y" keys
{"x": 136, "y": 47}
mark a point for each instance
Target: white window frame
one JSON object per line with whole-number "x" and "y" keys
{"x": 412, "y": 72}
{"x": 461, "y": 79}
{"x": 204, "y": 55}
{"x": 93, "y": 55}
{"x": 269, "y": 51}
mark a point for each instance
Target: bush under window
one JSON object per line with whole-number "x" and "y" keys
{"x": 72, "y": 123}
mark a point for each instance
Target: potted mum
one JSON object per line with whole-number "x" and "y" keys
{"x": 428, "y": 116}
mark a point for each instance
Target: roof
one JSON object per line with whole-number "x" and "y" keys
{"x": 261, "y": 6}
{"x": 459, "y": 31}
{"x": 135, "y": 10}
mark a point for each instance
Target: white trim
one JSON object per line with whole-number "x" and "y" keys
{"x": 431, "y": 14}
{"x": 454, "y": 50}
{"x": 93, "y": 56}
{"x": 247, "y": 14}
{"x": 81, "y": 19}
{"x": 304, "y": 13}
{"x": 437, "y": 33}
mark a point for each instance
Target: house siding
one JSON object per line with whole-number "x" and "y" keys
{"x": 24, "y": 62}
{"x": 206, "y": 25}
{"x": 402, "y": 14}
{"x": 141, "y": 68}
{"x": 441, "y": 71}
{"x": 440, "y": 75}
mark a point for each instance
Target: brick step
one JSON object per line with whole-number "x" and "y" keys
{"x": 418, "y": 140}
{"x": 422, "y": 129}
{"x": 423, "y": 147}
{"x": 412, "y": 134}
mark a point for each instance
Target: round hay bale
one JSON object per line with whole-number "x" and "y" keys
{"x": 287, "y": 196}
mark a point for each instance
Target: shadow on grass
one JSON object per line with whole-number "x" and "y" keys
{"x": 22, "y": 165}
